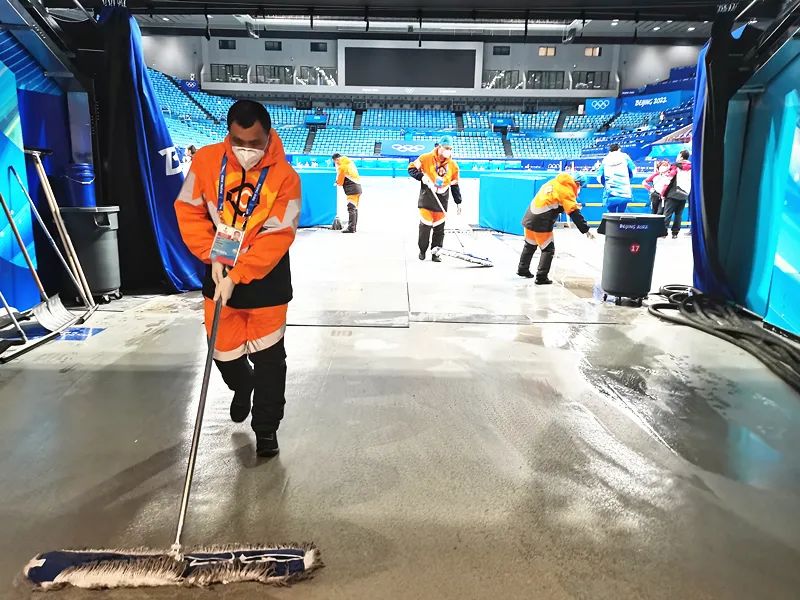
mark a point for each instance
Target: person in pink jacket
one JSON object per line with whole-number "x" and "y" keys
{"x": 656, "y": 184}
{"x": 677, "y": 193}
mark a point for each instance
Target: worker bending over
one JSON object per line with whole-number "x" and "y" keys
{"x": 347, "y": 177}
{"x": 437, "y": 173}
{"x": 554, "y": 197}
{"x": 243, "y": 189}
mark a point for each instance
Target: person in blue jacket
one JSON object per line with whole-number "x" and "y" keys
{"x": 615, "y": 174}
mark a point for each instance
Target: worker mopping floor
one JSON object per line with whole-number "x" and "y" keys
{"x": 181, "y": 566}
{"x": 590, "y": 451}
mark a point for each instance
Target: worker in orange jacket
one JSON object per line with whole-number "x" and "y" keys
{"x": 347, "y": 177}
{"x": 437, "y": 173}
{"x": 559, "y": 195}
{"x": 245, "y": 183}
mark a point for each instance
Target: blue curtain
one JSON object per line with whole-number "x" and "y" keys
{"x": 705, "y": 276}
{"x": 155, "y": 165}
{"x": 719, "y": 76}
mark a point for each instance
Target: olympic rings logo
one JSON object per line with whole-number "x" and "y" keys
{"x": 601, "y": 104}
{"x": 408, "y": 147}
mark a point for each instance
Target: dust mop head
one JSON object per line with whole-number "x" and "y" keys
{"x": 465, "y": 256}
{"x": 95, "y": 569}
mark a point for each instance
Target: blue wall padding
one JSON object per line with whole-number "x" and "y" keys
{"x": 17, "y": 284}
{"x": 319, "y": 197}
{"x": 45, "y": 124}
{"x": 759, "y": 238}
{"x": 503, "y": 198}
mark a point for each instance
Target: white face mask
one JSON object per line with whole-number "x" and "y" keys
{"x": 663, "y": 169}
{"x": 446, "y": 153}
{"x": 248, "y": 157}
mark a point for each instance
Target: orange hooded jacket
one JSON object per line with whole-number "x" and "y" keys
{"x": 347, "y": 176}
{"x": 554, "y": 197}
{"x": 262, "y": 272}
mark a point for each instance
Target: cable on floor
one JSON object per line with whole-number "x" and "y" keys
{"x": 688, "y": 306}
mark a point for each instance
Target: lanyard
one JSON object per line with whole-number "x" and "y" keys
{"x": 254, "y": 199}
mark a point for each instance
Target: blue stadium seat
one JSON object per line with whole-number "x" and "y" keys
{"x": 402, "y": 119}
{"x": 585, "y": 122}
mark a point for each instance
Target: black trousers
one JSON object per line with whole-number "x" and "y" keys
{"x": 656, "y": 204}
{"x": 267, "y": 379}
{"x": 545, "y": 260}
{"x": 352, "y": 216}
{"x": 436, "y": 240}
{"x": 673, "y": 209}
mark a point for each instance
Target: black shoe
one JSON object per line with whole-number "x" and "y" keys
{"x": 240, "y": 405}
{"x": 436, "y": 258}
{"x": 543, "y": 281}
{"x": 525, "y": 274}
{"x": 267, "y": 444}
{"x": 422, "y": 256}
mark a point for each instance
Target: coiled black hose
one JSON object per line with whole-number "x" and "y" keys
{"x": 686, "y": 305}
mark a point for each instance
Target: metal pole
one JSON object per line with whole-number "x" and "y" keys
{"x": 22, "y": 248}
{"x": 177, "y": 548}
{"x": 60, "y": 225}
{"x": 746, "y": 9}
{"x": 50, "y": 239}
{"x": 11, "y": 316}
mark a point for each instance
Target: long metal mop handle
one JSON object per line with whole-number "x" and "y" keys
{"x": 23, "y": 249}
{"x": 177, "y": 548}
{"x": 11, "y": 316}
{"x": 439, "y": 202}
{"x": 60, "y": 225}
{"x": 51, "y": 241}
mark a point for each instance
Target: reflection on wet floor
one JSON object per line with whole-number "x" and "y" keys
{"x": 693, "y": 411}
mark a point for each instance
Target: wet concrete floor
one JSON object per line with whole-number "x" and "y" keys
{"x": 451, "y": 432}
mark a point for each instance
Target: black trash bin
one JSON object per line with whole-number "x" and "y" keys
{"x": 94, "y": 234}
{"x": 630, "y": 253}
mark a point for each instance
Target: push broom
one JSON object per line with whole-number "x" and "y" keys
{"x": 179, "y": 566}
{"x": 463, "y": 254}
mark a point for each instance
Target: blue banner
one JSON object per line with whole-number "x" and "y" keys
{"x": 653, "y": 102}
{"x": 316, "y": 119}
{"x": 409, "y": 148}
{"x": 564, "y": 135}
{"x": 189, "y": 85}
{"x": 159, "y": 166}
{"x": 502, "y": 121}
{"x": 601, "y": 106}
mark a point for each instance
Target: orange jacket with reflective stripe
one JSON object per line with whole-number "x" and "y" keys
{"x": 262, "y": 271}
{"x": 554, "y": 197}
{"x": 429, "y": 164}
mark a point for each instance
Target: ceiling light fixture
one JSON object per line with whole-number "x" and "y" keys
{"x": 691, "y": 28}
{"x": 358, "y": 24}
{"x": 165, "y": 18}
{"x": 614, "y": 23}
{"x": 669, "y": 21}
{"x": 656, "y": 28}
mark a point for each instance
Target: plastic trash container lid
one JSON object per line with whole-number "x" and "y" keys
{"x": 631, "y": 217}
{"x": 641, "y": 222}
